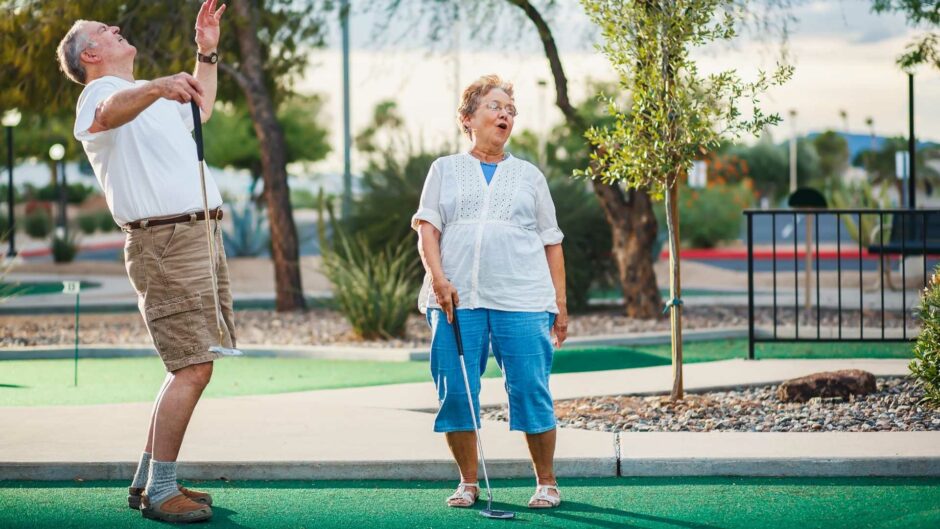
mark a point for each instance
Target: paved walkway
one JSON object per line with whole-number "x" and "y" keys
{"x": 381, "y": 432}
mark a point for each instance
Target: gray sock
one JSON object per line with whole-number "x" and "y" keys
{"x": 162, "y": 481}
{"x": 143, "y": 470}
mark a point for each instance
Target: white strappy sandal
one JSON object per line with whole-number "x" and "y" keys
{"x": 541, "y": 494}
{"x": 464, "y": 495}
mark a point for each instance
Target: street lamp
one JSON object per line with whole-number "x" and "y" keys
{"x": 57, "y": 152}
{"x": 11, "y": 118}
{"x": 792, "y": 150}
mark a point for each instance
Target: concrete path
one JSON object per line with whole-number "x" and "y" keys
{"x": 375, "y": 433}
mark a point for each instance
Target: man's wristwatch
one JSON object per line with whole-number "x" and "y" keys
{"x": 212, "y": 58}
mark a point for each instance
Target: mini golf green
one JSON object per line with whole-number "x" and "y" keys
{"x": 35, "y": 288}
{"x": 49, "y": 382}
{"x": 689, "y": 503}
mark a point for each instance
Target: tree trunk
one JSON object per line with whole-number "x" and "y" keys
{"x": 633, "y": 225}
{"x": 675, "y": 287}
{"x": 250, "y": 77}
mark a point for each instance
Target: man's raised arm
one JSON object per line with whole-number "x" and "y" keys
{"x": 125, "y": 105}
{"x": 207, "y": 43}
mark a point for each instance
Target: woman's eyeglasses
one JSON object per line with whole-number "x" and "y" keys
{"x": 510, "y": 109}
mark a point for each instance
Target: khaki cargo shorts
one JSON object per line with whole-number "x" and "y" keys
{"x": 168, "y": 266}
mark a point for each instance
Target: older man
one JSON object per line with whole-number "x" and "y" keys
{"x": 137, "y": 135}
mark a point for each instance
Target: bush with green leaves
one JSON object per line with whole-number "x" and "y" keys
{"x": 76, "y": 193}
{"x": 64, "y": 248}
{"x": 88, "y": 222}
{"x": 4, "y": 225}
{"x": 925, "y": 368}
{"x": 38, "y": 223}
{"x": 711, "y": 215}
{"x": 302, "y": 199}
{"x": 374, "y": 290}
{"x": 106, "y": 221}
{"x": 249, "y": 236}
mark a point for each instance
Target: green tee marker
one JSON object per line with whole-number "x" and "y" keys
{"x": 74, "y": 287}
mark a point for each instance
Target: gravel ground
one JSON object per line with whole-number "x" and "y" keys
{"x": 894, "y": 407}
{"x": 324, "y": 326}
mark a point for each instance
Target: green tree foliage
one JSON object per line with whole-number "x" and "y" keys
{"x": 768, "y": 165}
{"x": 922, "y": 13}
{"x": 675, "y": 114}
{"x": 163, "y": 34}
{"x": 231, "y": 140}
{"x": 833, "y": 152}
{"x": 880, "y": 164}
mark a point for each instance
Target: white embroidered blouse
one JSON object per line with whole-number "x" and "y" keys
{"x": 493, "y": 236}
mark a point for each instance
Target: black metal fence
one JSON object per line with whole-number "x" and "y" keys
{"x": 841, "y": 245}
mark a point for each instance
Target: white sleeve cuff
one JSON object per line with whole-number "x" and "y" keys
{"x": 427, "y": 215}
{"x": 551, "y": 236}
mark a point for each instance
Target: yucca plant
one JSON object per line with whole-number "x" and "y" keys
{"x": 863, "y": 195}
{"x": 250, "y": 235}
{"x": 7, "y": 289}
{"x": 64, "y": 248}
{"x": 374, "y": 290}
{"x": 925, "y": 368}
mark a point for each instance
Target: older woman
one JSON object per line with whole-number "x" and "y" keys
{"x": 491, "y": 248}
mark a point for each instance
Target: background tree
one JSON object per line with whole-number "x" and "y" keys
{"x": 675, "y": 114}
{"x": 833, "y": 152}
{"x": 880, "y": 164}
{"x": 921, "y": 13}
{"x": 235, "y": 143}
{"x": 265, "y": 46}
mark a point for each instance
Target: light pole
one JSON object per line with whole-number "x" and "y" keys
{"x": 911, "y": 145}
{"x": 11, "y": 118}
{"x": 347, "y": 135}
{"x": 792, "y": 150}
{"x": 57, "y": 152}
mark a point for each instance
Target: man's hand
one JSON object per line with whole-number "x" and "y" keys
{"x": 181, "y": 87}
{"x": 207, "y": 26}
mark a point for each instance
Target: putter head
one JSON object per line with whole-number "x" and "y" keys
{"x": 497, "y": 514}
{"x": 225, "y": 351}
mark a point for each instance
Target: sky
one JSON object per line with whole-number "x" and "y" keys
{"x": 844, "y": 58}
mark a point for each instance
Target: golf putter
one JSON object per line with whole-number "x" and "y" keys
{"x": 213, "y": 250}
{"x": 488, "y": 512}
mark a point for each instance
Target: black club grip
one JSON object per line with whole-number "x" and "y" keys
{"x": 197, "y": 128}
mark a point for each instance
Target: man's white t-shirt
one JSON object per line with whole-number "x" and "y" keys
{"x": 147, "y": 167}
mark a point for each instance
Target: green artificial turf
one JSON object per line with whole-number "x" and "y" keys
{"x": 689, "y": 503}
{"x": 49, "y": 382}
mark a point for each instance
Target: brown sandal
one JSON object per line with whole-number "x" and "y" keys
{"x": 175, "y": 509}
{"x": 133, "y": 496}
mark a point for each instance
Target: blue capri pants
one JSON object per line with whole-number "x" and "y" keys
{"x": 521, "y": 343}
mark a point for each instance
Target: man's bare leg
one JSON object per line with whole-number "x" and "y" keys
{"x": 173, "y": 412}
{"x": 143, "y": 466}
{"x": 175, "y": 408}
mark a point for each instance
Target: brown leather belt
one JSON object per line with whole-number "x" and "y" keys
{"x": 188, "y": 217}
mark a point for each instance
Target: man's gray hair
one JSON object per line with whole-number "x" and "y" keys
{"x": 70, "y": 51}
